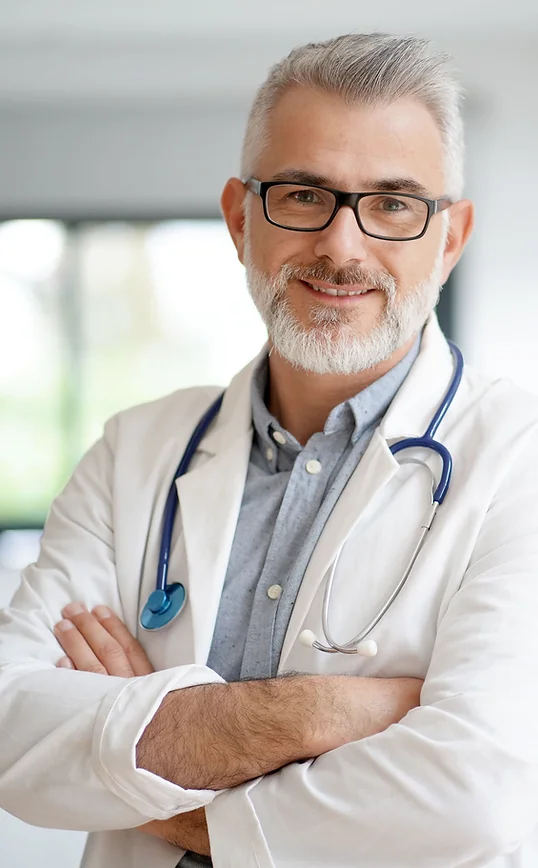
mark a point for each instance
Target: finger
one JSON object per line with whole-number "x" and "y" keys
{"x": 132, "y": 649}
{"x": 77, "y": 649}
{"x": 100, "y": 644}
{"x": 65, "y": 663}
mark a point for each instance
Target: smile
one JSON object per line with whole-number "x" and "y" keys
{"x": 337, "y": 291}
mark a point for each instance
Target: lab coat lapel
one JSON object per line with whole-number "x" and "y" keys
{"x": 209, "y": 501}
{"x": 210, "y": 496}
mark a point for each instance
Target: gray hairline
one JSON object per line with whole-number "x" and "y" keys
{"x": 441, "y": 99}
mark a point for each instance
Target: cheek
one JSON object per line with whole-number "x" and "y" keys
{"x": 272, "y": 247}
{"x": 410, "y": 262}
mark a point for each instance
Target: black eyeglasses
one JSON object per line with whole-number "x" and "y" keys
{"x": 308, "y": 208}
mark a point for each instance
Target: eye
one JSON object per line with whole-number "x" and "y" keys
{"x": 393, "y": 205}
{"x": 305, "y": 197}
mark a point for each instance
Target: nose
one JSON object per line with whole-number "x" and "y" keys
{"x": 343, "y": 241}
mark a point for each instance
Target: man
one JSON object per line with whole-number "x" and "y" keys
{"x": 348, "y": 217}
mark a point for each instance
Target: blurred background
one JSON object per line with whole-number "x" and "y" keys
{"x": 120, "y": 121}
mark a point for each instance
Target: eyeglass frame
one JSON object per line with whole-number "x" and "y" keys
{"x": 261, "y": 188}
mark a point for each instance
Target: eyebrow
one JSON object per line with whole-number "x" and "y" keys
{"x": 383, "y": 185}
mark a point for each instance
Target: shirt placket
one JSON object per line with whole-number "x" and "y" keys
{"x": 300, "y": 504}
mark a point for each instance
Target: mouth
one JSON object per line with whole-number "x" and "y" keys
{"x": 340, "y": 294}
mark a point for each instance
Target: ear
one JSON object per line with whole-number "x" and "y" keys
{"x": 461, "y": 227}
{"x": 231, "y": 203}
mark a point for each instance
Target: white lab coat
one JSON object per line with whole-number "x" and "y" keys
{"x": 454, "y": 784}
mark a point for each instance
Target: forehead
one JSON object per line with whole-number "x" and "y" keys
{"x": 352, "y": 145}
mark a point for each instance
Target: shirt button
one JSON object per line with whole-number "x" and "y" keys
{"x": 279, "y": 437}
{"x": 313, "y": 466}
{"x": 269, "y": 454}
{"x": 274, "y": 592}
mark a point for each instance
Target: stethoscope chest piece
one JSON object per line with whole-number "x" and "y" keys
{"x": 163, "y": 606}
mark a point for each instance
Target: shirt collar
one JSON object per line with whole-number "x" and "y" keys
{"x": 355, "y": 415}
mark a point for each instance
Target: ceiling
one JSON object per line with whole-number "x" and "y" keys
{"x": 124, "y": 19}
{"x": 146, "y": 51}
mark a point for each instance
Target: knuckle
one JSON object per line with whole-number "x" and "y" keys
{"x": 111, "y": 651}
{"x": 133, "y": 648}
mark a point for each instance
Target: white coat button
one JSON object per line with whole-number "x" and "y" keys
{"x": 274, "y": 592}
{"x": 313, "y": 466}
{"x": 279, "y": 437}
{"x": 269, "y": 454}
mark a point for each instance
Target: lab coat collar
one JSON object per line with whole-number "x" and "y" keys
{"x": 235, "y": 416}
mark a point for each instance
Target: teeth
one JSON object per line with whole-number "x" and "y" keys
{"x": 330, "y": 291}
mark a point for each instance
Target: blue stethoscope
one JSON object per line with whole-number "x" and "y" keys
{"x": 167, "y": 601}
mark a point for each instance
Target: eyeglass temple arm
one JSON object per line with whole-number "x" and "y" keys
{"x": 442, "y": 204}
{"x": 253, "y": 185}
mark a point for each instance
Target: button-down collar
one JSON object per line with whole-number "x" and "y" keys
{"x": 355, "y": 415}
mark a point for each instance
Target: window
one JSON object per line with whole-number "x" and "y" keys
{"x": 97, "y": 317}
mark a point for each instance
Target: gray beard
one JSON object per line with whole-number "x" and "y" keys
{"x": 331, "y": 345}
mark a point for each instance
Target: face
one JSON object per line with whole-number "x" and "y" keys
{"x": 350, "y": 149}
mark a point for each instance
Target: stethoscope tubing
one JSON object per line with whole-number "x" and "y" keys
{"x": 424, "y": 442}
{"x": 172, "y": 500}
{"x": 427, "y": 440}
{"x": 351, "y": 646}
{"x": 161, "y": 618}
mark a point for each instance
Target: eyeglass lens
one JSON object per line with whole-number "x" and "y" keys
{"x": 294, "y": 206}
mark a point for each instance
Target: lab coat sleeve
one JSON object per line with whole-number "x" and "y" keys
{"x": 67, "y": 744}
{"x": 455, "y": 783}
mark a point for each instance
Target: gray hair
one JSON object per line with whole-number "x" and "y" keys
{"x": 371, "y": 69}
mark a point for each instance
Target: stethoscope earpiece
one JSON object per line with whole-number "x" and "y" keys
{"x": 364, "y": 649}
{"x": 308, "y": 638}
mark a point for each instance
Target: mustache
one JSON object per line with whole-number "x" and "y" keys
{"x": 350, "y": 276}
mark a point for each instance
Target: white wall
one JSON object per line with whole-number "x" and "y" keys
{"x": 117, "y": 108}
{"x": 116, "y": 159}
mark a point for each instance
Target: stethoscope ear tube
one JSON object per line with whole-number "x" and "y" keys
{"x": 167, "y": 601}
{"x": 172, "y": 501}
{"x": 360, "y": 644}
{"x": 424, "y": 442}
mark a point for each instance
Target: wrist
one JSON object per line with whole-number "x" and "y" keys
{"x": 352, "y": 707}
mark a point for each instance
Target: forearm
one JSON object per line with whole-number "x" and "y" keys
{"x": 433, "y": 773}
{"x": 220, "y": 735}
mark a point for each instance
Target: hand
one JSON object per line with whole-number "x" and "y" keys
{"x": 99, "y": 642}
{"x": 188, "y": 831}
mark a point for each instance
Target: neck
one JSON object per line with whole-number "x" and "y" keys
{"x": 302, "y": 400}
